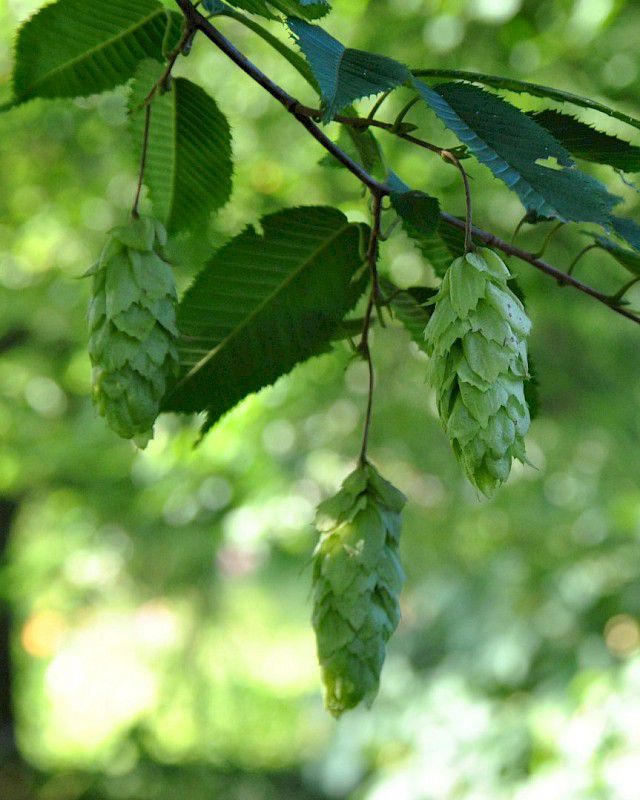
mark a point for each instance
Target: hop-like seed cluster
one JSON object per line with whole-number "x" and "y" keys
{"x": 476, "y": 338}
{"x": 357, "y": 578}
{"x": 132, "y": 324}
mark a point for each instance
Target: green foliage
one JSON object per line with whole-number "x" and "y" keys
{"x": 344, "y": 74}
{"x": 587, "y": 143}
{"x": 477, "y": 343}
{"x": 512, "y": 145}
{"x": 132, "y": 323}
{"x": 357, "y": 578}
{"x": 263, "y": 304}
{"x": 412, "y": 307}
{"x": 189, "y": 160}
{"x": 309, "y": 9}
{"x": 534, "y": 89}
{"x": 418, "y": 211}
{"x": 80, "y": 47}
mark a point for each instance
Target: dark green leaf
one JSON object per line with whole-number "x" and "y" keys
{"x": 419, "y": 212}
{"x": 263, "y": 304}
{"x": 189, "y": 166}
{"x": 409, "y": 306}
{"x": 344, "y": 74}
{"x": 533, "y": 89}
{"x": 512, "y": 145}
{"x": 79, "y": 47}
{"x": 587, "y": 143}
{"x": 627, "y": 229}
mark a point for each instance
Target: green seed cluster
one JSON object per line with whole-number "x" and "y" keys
{"x": 132, "y": 325}
{"x": 477, "y": 340}
{"x": 357, "y": 579}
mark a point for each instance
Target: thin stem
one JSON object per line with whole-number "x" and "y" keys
{"x": 582, "y": 253}
{"x": 447, "y": 155}
{"x": 548, "y": 238}
{"x": 404, "y": 111}
{"x": 377, "y": 105}
{"x": 188, "y": 32}
{"x": 143, "y": 161}
{"x": 364, "y": 348}
{"x": 619, "y": 295}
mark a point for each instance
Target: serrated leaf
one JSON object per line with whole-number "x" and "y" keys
{"x": 263, "y": 304}
{"x": 75, "y": 48}
{"x": 309, "y": 9}
{"x": 344, "y": 74}
{"x": 189, "y": 160}
{"x": 523, "y": 87}
{"x": 512, "y": 145}
{"x": 588, "y": 143}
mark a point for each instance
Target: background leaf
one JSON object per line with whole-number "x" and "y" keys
{"x": 344, "y": 74}
{"x": 511, "y": 145}
{"x": 588, "y": 143}
{"x": 408, "y": 306}
{"x": 264, "y": 303}
{"x": 189, "y": 159}
{"x": 75, "y": 48}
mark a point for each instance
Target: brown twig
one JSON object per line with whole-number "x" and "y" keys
{"x": 143, "y": 161}
{"x": 363, "y": 347}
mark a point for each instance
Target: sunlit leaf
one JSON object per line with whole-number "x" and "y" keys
{"x": 80, "y": 47}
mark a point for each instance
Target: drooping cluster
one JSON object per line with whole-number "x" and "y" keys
{"x": 357, "y": 578}
{"x": 132, "y": 324}
{"x": 477, "y": 340}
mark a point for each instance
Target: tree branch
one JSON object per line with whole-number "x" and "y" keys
{"x": 306, "y": 116}
{"x": 530, "y": 258}
{"x": 198, "y": 22}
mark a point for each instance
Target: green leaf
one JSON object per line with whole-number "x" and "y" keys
{"x": 512, "y": 145}
{"x": 627, "y": 229}
{"x": 419, "y": 212}
{"x": 309, "y": 9}
{"x": 533, "y": 89}
{"x": 189, "y": 167}
{"x": 75, "y": 48}
{"x": 344, "y": 74}
{"x": 410, "y": 307}
{"x": 263, "y": 304}
{"x": 588, "y": 143}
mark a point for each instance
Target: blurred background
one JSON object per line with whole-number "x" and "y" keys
{"x": 155, "y": 639}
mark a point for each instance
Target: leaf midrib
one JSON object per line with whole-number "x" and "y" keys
{"x": 237, "y": 330}
{"x": 88, "y": 53}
